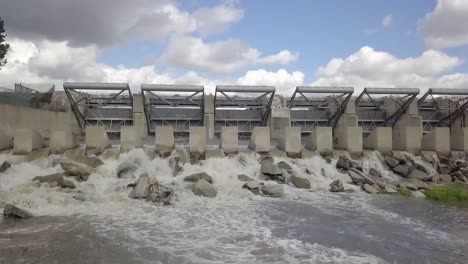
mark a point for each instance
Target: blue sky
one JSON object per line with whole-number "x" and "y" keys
{"x": 318, "y": 30}
{"x": 417, "y": 43}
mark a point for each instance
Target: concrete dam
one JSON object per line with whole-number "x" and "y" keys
{"x": 101, "y": 173}
{"x": 312, "y": 119}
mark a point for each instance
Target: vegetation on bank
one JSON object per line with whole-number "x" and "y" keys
{"x": 447, "y": 193}
{"x": 405, "y": 192}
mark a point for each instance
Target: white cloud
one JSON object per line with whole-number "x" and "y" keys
{"x": 446, "y": 26}
{"x": 368, "y": 67}
{"x": 387, "y": 21}
{"x": 218, "y": 57}
{"x": 55, "y": 62}
{"x": 284, "y": 81}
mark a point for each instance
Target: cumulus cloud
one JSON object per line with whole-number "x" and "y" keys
{"x": 218, "y": 57}
{"x": 445, "y": 26}
{"x": 284, "y": 81}
{"x": 370, "y": 68}
{"x": 387, "y": 21}
{"x": 46, "y": 61}
{"x": 106, "y": 22}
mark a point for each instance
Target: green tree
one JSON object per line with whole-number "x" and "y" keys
{"x": 3, "y": 46}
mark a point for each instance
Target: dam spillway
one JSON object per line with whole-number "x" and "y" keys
{"x": 311, "y": 119}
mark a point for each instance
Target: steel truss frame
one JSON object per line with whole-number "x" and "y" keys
{"x": 243, "y": 106}
{"x": 111, "y": 108}
{"x": 374, "y": 111}
{"x": 434, "y": 114}
{"x": 164, "y": 106}
{"x": 310, "y": 112}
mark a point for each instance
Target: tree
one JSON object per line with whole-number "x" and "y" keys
{"x": 3, "y": 46}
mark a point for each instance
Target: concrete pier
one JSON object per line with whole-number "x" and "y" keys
{"x": 96, "y": 138}
{"x": 320, "y": 139}
{"x": 290, "y": 140}
{"x": 438, "y": 140}
{"x": 61, "y": 140}
{"x": 347, "y": 134}
{"x": 6, "y": 142}
{"x": 130, "y": 138}
{"x": 208, "y": 118}
{"x": 407, "y": 134}
{"x": 229, "y": 142}
{"x": 260, "y": 139}
{"x": 280, "y": 118}
{"x": 379, "y": 139}
{"x": 26, "y": 140}
{"x": 459, "y": 138}
{"x": 197, "y": 139}
{"x": 164, "y": 139}
{"x": 139, "y": 118}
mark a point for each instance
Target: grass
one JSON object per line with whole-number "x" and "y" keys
{"x": 447, "y": 194}
{"x": 405, "y": 192}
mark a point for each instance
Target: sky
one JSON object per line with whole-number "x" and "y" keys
{"x": 358, "y": 43}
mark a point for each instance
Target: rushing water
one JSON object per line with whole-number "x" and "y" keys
{"x": 104, "y": 226}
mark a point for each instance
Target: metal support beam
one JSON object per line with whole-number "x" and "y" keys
{"x": 436, "y": 115}
{"x": 106, "y": 104}
{"x": 242, "y": 106}
{"x": 375, "y": 110}
{"x": 179, "y": 106}
{"x": 309, "y": 112}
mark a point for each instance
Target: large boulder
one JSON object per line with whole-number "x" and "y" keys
{"x": 444, "y": 169}
{"x": 369, "y": 189}
{"x": 13, "y": 211}
{"x": 343, "y": 163}
{"x": 271, "y": 190}
{"x": 5, "y": 166}
{"x": 76, "y": 169}
{"x": 390, "y": 189}
{"x": 336, "y": 186}
{"x": 359, "y": 178}
{"x": 391, "y": 162}
{"x": 284, "y": 166}
{"x": 198, "y": 176}
{"x": 79, "y": 155}
{"x": 268, "y": 168}
{"x": 125, "y": 169}
{"x": 203, "y": 188}
{"x": 420, "y": 175}
{"x": 244, "y": 178}
{"x": 403, "y": 169}
{"x": 55, "y": 179}
{"x": 299, "y": 182}
{"x": 141, "y": 189}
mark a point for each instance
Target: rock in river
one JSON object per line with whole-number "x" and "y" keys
{"x": 336, "y": 186}
{"x": 204, "y": 188}
{"x": 76, "y": 169}
{"x": 13, "y": 211}
{"x": 198, "y": 176}
{"x": 299, "y": 182}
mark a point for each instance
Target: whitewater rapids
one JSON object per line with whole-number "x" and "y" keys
{"x": 97, "y": 222}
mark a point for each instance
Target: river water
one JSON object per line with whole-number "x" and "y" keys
{"x": 98, "y": 223}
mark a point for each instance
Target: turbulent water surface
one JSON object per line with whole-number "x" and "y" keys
{"x": 100, "y": 224}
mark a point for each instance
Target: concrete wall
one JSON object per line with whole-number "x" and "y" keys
{"x": 320, "y": 139}
{"x": 438, "y": 139}
{"x": 13, "y": 117}
{"x": 459, "y": 138}
{"x": 279, "y": 119}
{"x": 26, "y": 140}
{"x": 379, "y": 139}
